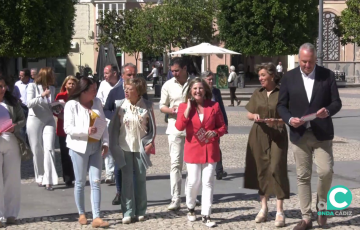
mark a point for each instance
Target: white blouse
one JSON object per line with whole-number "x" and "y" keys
{"x": 134, "y": 120}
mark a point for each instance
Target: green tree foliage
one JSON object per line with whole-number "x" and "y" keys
{"x": 184, "y": 23}
{"x": 133, "y": 31}
{"x": 36, "y": 28}
{"x": 267, "y": 27}
{"x": 348, "y": 24}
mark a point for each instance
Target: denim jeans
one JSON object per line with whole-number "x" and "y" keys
{"x": 90, "y": 161}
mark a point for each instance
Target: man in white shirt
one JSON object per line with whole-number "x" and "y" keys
{"x": 112, "y": 78}
{"x": 279, "y": 69}
{"x": 172, "y": 94}
{"x": 154, "y": 72}
{"x": 20, "y": 92}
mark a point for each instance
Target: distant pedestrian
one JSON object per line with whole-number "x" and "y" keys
{"x": 86, "y": 151}
{"x": 267, "y": 148}
{"x": 40, "y": 127}
{"x": 66, "y": 90}
{"x": 10, "y": 167}
{"x": 233, "y": 84}
{"x": 279, "y": 70}
{"x": 155, "y": 75}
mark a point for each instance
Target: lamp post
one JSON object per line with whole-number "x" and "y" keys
{"x": 320, "y": 36}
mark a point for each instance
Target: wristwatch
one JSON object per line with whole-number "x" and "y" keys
{"x": 327, "y": 111}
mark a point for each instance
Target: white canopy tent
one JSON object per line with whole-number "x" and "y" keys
{"x": 204, "y": 49}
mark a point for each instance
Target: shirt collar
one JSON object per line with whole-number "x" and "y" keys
{"x": 311, "y": 75}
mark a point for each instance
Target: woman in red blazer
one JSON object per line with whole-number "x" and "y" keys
{"x": 204, "y": 124}
{"x": 67, "y": 88}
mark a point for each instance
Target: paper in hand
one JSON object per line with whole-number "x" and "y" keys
{"x": 308, "y": 117}
{"x": 100, "y": 125}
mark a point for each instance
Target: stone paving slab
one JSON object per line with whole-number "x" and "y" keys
{"x": 236, "y": 212}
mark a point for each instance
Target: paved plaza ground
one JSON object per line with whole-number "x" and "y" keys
{"x": 234, "y": 207}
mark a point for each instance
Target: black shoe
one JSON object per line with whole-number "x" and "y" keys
{"x": 220, "y": 175}
{"x": 49, "y": 188}
{"x": 69, "y": 184}
{"x": 116, "y": 200}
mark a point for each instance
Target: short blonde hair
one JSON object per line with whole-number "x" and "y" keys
{"x": 68, "y": 78}
{"x": 139, "y": 83}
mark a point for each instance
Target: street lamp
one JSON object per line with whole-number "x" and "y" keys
{"x": 320, "y": 36}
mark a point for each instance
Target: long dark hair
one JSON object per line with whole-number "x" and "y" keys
{"x": 82, "y": 86}
{"x": 8, "y": 96}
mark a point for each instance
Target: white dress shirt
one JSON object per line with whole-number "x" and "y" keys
{"x": 173, "y": 94}
{"x": 279, "y": 68}
{"x": 104, "y": 90}
{"x": 22, "y": 88}
{"x": 309, "y": 85}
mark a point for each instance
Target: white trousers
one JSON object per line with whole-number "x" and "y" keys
{"x": 176, "y": 149}
{"x": 10, "y": 176}
{"x": 41, "y": 134}
{"x": 109, "y": 161}
{"x": 197, "y": 174}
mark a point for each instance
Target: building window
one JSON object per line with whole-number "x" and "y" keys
{"x": 331, "y": 43}
{"x": 101, "y": 8}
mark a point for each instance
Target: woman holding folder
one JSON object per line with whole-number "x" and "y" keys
{"x": 11, "y": 114}
{"x": 88, "y": 140}
{"x": 266, "y": 154}
{"x": 204, "y": 124}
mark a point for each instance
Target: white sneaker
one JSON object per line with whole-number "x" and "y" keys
{"x": 141, "y": 218}
{"x": 126, "y": 220}
{"x": 191, "y": 215}
{"x": 109, "y": 179}
{"x": 174, "y": 205}
{"x": 207, "y": 221}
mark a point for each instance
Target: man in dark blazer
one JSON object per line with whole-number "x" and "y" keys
{"x": 209, "y": 78}
{"x": 117, "y": 93}
{"x": 305, "y": 90}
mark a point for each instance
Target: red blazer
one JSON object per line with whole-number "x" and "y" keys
{"x": 194, "y": 152}
{"x": 60, "y": 122}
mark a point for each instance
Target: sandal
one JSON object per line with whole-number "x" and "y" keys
{"x": 261, "y": 216}
{"x": 280, "y": 219}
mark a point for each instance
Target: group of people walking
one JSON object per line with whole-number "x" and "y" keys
{"x": 118, "y": 121}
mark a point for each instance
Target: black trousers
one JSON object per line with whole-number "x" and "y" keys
{"x": 155, "y": 80}
{"x": 219, "y": 166}
{"x": 67, "y": 166}
{"x": 232, "y": 95}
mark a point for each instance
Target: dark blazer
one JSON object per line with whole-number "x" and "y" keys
{"x": 217, "y": 96}
{"x": 293, "y": 102}
{"x": 117, "y": 93}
